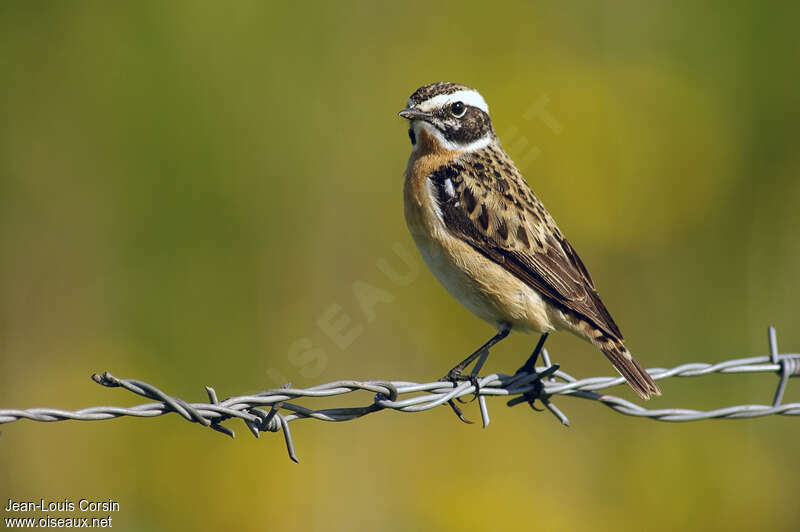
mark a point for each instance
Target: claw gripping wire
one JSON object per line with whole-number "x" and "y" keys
{"x": 273, "y": 410}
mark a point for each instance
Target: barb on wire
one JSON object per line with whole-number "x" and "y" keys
{"x": 272, "y": 411}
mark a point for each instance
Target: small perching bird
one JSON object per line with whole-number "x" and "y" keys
{"x": 488, "y": 238}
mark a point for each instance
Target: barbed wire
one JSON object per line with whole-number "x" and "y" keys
{"x": 271, "y": 411}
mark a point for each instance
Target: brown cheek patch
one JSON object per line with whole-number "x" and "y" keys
{"x": 471, "y": 127}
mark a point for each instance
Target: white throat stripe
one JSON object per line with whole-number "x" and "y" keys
{"x": 481, "y": 143}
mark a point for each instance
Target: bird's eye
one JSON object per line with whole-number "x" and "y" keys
{"x": 457, "y": 109}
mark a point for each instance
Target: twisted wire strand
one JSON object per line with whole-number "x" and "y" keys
{"x": 272, "y": 411}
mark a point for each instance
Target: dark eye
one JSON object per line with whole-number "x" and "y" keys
{"x": 457, "y": 109}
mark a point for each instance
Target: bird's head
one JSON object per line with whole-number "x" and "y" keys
{"x": 453, "y": 115}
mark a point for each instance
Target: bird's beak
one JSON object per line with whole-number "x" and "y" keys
{"x": 414, "y": 114}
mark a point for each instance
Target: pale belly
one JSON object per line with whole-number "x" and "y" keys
{"x": 482, "y": 286}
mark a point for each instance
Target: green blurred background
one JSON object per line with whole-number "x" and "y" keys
{"x": 187, "y": 189}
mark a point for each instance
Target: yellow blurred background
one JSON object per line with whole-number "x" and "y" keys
{"x": 187, "y": 189}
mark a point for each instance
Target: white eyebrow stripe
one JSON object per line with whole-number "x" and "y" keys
{"x": 469, "y": 97}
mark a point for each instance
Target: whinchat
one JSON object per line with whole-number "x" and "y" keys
{"x": 488, "y": 238}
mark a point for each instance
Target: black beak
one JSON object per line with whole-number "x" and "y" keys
{"x": 414, "y": 114}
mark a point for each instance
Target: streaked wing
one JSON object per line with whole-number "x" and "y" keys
{"x": 484, "y": 201}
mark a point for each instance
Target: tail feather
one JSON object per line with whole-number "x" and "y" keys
{"x": 637, "y": 377}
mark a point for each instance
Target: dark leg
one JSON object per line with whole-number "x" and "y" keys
{"x": 530, "y": 365}
{"x": 457, "y": 373}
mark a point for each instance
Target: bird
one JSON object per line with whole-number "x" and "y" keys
{"x": 489, "y": 239}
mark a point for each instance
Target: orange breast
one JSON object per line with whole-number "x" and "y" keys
{"x": 425, "y": 159}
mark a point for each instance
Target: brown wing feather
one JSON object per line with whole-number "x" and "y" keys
{"x": 484, "y": 200}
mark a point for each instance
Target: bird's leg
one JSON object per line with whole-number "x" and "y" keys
{"x": 473, "y": 376}
{"x": 456, "y": 374}
{"x": 530, "y": 365}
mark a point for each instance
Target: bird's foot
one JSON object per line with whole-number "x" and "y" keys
{"x": 455, "y": 376}
{"x": 457, "y": 411}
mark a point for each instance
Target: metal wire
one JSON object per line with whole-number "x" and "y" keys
{"x": 271, "y": 411}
